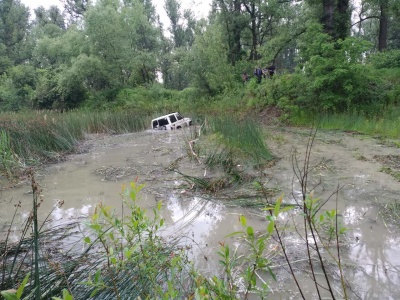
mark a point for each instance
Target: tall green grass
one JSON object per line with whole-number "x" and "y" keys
{"x": 244, "y": 138}
{"x": 387, "y": 125}
{"x": 42, "y": 136}
{"x": 233, "y": 146}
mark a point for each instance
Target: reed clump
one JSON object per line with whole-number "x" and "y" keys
{"x": 234, "y": 148}
{"x": 27, "y": 139}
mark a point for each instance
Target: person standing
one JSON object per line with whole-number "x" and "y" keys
{"x": 271, "y": 70}
{"x": 245, "y": 77}
{"x": 258, "y": 72}
{"x": 265, "y": 72}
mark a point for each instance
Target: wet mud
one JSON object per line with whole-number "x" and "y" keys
{"x": 356, "y": 166}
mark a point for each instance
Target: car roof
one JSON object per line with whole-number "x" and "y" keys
{"x": 162, "y": 117}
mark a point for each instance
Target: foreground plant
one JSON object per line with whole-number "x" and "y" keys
{"x": 136, "y": 261}
{"x": 320, "y": 232}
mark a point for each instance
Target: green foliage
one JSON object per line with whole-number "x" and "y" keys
{"x": 16, "y": 294}
{"x": 208, "y": 62}
{"x": 326, "y": 221}
{"x": 385, "y": 59}
{"x": 17, "y": 88}
{"x": 66, "y": 296}
{"x": 126, "y": 40}
{"x": 331, "y": 79}
{"x": 8, "y": 159}
{"x": 132, "y": 248}
{"x": 244, "y": 138}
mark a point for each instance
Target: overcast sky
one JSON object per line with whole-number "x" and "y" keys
{"x": 199, "y": 7}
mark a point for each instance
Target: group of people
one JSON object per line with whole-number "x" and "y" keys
{"x": 268, "y": 71}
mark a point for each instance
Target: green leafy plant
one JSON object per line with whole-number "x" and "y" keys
{"x": 16, "y": 294}
{"x": 135, "y": 257}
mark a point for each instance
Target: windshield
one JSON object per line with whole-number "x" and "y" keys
{"x": 179, "y": 116}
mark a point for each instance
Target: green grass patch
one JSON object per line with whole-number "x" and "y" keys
{"x": 385, "y": 126}
{"x": 243, "y": 138}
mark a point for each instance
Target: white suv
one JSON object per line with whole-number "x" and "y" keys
{"x": 170, "y": 121}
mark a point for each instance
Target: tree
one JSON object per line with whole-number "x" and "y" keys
{"x": 234, "y": 23}
{"x": 208, "y": 62}
{"x": 176, "y": 74}
{"x": 124, "y": 40}
{"x": 375, "y": 19}
{"x": 76, "y": 9}
{"x": 334, "y": 15}
{"x": 383, "y": 25}
{"x": 14, "y": 25}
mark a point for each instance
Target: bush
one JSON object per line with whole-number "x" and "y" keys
{"x": 386, "y": 59}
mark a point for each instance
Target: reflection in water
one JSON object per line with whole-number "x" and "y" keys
{"x": 202, "y": 225}
{"x": 352, "y": 215}
{"x": 196, "y": 214}
{"x": 374, "y": 253}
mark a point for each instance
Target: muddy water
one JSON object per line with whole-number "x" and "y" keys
{"x": 370, "y": 252}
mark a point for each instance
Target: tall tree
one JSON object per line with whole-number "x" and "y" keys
{"x": 375, "y": 19}
{"x": 383, "y": 25}
{"x": 335, "y": 16}
{"x": 176, "y": 74}
{"x": 14, "y": 24}
{"x": 234, "y": 23}
{"x": 76, "y": 9}
{"x": 124, "y": 39}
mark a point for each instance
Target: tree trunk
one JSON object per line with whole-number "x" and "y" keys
{"x": 343, "y": 19}
{"x": 237, "y": 47}
{"x": 335, "y": 18}
{"x": 253, "y": 53}
{"x": 328, "y": 16}
{"x": 383, "y": 26}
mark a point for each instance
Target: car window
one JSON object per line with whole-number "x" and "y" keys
{"x": 155, "y": 124}
{"x": 172, "y": 118}
{"x": 179, "y": 116}
{"x": 163, "y": 122}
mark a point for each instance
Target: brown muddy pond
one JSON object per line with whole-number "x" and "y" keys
{"x": 370, "y": 248}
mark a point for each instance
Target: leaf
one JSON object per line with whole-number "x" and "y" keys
{"x": 87, "y": 240}
{"x": 278, "y": 206}
{"x": 271, "y": 273}
{"x": 243, "y": 220}
{"x": 159, "y": 204}
{"x": 67, "y": 295}
{"x": 22, "y": 286}
{"x": 270, "y": 227}
{"x": 250, "y": 231}
{"x": 234, "y": 233}
{"x": 97, "y": 276}
{"x": 9, "y": 295}
{"x": 127, "y": 253}
{"x": 92, "y": 294}
{"x": 286, "y": 208}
